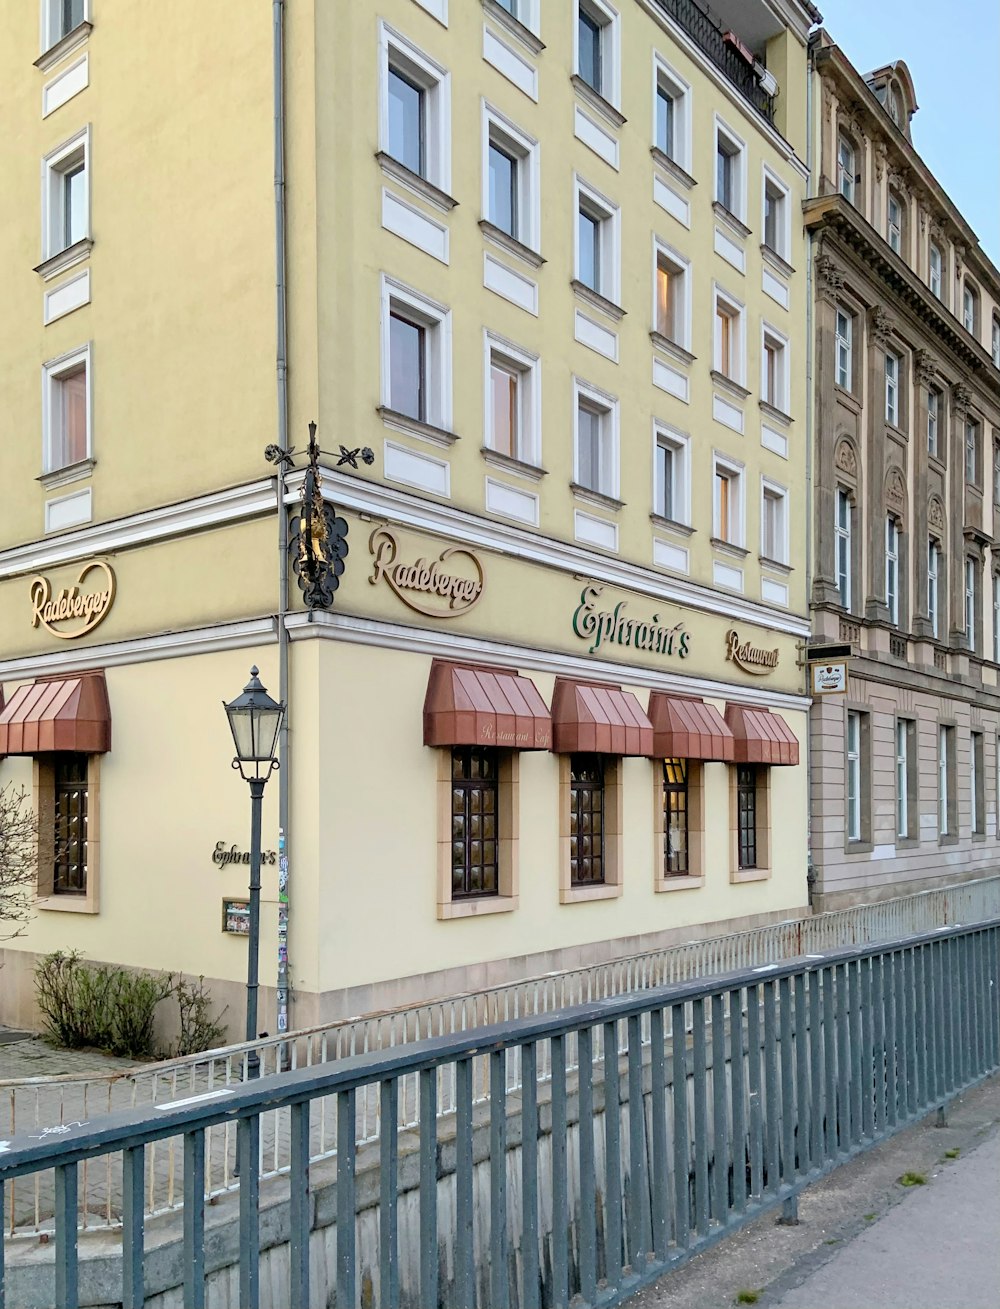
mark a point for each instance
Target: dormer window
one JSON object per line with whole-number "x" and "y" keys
{"x": 845, "y": 169}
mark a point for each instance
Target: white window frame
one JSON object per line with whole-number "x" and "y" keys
{"x": 893, "y": 536}
{"x": 608, "y": 215}
{"x": 892, "y": 371}
{"x": 970, "y": 603}
{"x": 680, "y": 444}
{"x": 902, "y": 779}
{"x": 782, "y": 382}
{"x": 666, "y": 78}
{"x": 975, "y": 817}
{"x": 435, "y": 82}
{"x": 943, "y": 826}
{"x": 526, "y": 13}
{"x": 846, "y": 184}
{"x": 56, "y": 164}
{"x": 609, "y": 21}
{"x": 736, "y": 311}
{"x": 995, "y": 342}
{"x": 51, "y": 29}
{"x": 970, "y": 447}
{"x": 738, "y": 152}
{"x": 894, "y": 231}
{"x": 934, "y": 586}
{"x": 593, "y": 397}
{"x": 935, "y": 273}
{"x": 529, "y": 392}
{"x": 735, "y": 472}
{"x": 852, "y": 752}
{"x": 844, "y": 543}
{"x": 933, "y": 422}
{"x": 769, "y": 178}
{"x": 844, "y": 362}
{"x": 778, "y": 495}
{"x": 996, "y": 620}
{"x": 435, "y": 318}
{"x": 53, "y": 372}
{"x": 969, "y": 299}
{"x": 679, "y": 268}
{"x": 525, "y": 149}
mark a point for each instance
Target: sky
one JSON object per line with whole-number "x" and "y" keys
{"x": 953, "y": 53}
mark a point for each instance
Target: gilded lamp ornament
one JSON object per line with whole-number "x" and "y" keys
{"x": 318, "y": 546}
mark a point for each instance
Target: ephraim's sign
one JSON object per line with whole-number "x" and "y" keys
{"x": 613, "y": 627}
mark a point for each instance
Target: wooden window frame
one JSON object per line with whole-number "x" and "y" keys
{"x": 508, "y": 826}
{"x": 695, "y": 875}
{"x": 761, "y": 871}
{"x": 611, "y": 887}
{"x": 43, "y": 788}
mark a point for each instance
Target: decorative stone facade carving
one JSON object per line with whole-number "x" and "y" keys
{"x": 880, "y": 325}
{"x": 846, "y": 460}
{"x": 961, "y": 399}
{"x": 880, "y": 157}
{"x": 830, "y": 278}
{"x": 925, "y": 366}
{"x": 895, "y": 489}
{"x": 935, "y": 513}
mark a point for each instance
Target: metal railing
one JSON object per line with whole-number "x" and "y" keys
{"x": 731, "y": 1095}
{"x": 709, "y": 37}
{"x": 42, "y": 1105}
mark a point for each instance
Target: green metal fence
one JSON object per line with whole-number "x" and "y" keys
{"x": 669, "y": 1118}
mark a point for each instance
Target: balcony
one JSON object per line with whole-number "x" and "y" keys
{"x": 709, "y": 38}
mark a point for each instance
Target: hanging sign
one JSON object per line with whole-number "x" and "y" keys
{"x": 829, "y": 678}
{"x": 85, "y": 604}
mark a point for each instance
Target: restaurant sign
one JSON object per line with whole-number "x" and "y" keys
{"x": 615, "y": 627}
{"x": 452, "y": 583}
{"x": 85, "y": 604}
{"x": 751, "y": 658}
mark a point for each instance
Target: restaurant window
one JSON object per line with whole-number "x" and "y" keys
{"x": 69, "y": 837}
{"x": 746, "y": 807}
{"x": 675, "y": 818}
{"x": 587, "y": 825}
{"x": 474, "y": 815}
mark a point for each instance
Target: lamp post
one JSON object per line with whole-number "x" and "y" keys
{"x": 255, "y": 721}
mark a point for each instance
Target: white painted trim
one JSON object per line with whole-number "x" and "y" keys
{"x": 780, "y": 493}
{"x": 49, "y": 25}
{"x": 54, "y": 164}
{"x": 55, "y": 371}
{"x": 170, "y": 645}
{"x": 680, "y": 442}
{"x": 680, "y": 266}
{"x": 509, "y": 63}
{"x": 607, "y": 404}
{"x": 769, "y": 175}
{"x": 527, "y": 151}
{"x": 65, "y": 85}
{"x": 732, "y": 138}
{"x": 363, "y": 496}
{"x": 737, "y": 312}
{"x": 664, "y": 74}
{"x": 608, "y": 215}
{"x": 63, "y": 299}
{"x": 232, "y": 505}
{"x": 434, "y": 317}
{"x": 784, "y": 380}
{"x": 611, "y": 46}
{"x": 435, "y": 81}
{"x": 338, "y": 626}
{"x": 529, "y": 369}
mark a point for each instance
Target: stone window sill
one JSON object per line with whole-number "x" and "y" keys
{"x": 671, "y": 348}
{"x": 414, "y": 427}
{"x": 63, "y": 476}
{"x": 732, "y": 389}
{"x": 729, "y": 219}
{"x": 420, "y": 185}
{"x": 67, "y": 904}
{"x": 64, "y": 46}
{"x": 599, "y": 301}
{"x": 672, "y": 167}
{"x": 64, "y": 259}
{"x": 510, "y": 243}
{"x": 671, "y": 525}
{"x": 728, "y": 548}
{"x": 511, "y": 465}
{"x": 775, "y": 260}
{"x": 678, "y": 883}
{"x": 488, "y": 904}
{"x": 596, "y": 497}
{"x": 577, "y": 894}
{"x": 516, "y": 28}
{"x": 597, "y": 102}
{"x": 738, "y": 875}
{"x": 778, "y": 415}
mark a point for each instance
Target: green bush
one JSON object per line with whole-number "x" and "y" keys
{"x": 114, "y": 1009}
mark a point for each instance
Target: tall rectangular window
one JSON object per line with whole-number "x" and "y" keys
{"x": 995, "y": 346}
{"x": 675, "y": 817}
{"x": 894, "y": 223}
{"x": 512, "y": 387}
{"x": 845, "y": 337}
{"x": 935, "y": 270}
{"x": 505, "y": 406}
{"x": 853, "y": 775}
{"x": 406, "y": 122}
{"x": 416, "y": 355}
{"x": 414, "y": 109}
{"x": 475, "y": 840}
{"x": 69, "y": 873}
{"x": 933, "y": 583}
{"x": 589, "y": 38}
{"x": 845, "y": 169}
{"x": 596, "y": 442}
{"x": 933, "y": 420}
{"x": 408, "y": 367}
{"x": 670, "y": 477}
{"x": 971, "y": 602}
{"x": 892, "y": 389}
{"x": 66, "y": 438}
{"x": 969, "y": 309}
{"x": 774, "y": 370}
{"x": 66, "y": 195}
{"x": 503, "y": 189}
{"x": 774, "y": 524}
{"x": 729, "y": 349}
{"x": 977, "y": 785}
{"x": 589, "y": 249}
{"x": 671, "y": 298}
{"x": 665, "y": 125}
{"x": 996, "y": 626}
{"x": 746, "y": 808}
{"x": 946, "y": 781}
{"x": 727, "y": 173}
{"x": 596, "y": 242}
{"x": 728, "y": 508}
{"x": 972, "y": 452}
{"x": 671, "y": 128}
{"x": 902, "y": 779}
{"x": 775, "y": 217}
{"x": 843, "y": 546}
{"x": 587, "y": 827}
{"x": 892, "y": 535}
{"x": 996, "y": 471}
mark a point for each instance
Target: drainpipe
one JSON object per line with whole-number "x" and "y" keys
{"x": 281, "y": 337}
{"x": 810, "y": 408}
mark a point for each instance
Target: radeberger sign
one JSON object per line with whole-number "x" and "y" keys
{"x": 85, "y": 604}
{"x": 751, "y": 658}
{"x": 453, "y": 582}
{"x": 614, "y": 627}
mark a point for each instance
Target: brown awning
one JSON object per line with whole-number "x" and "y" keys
{"x": 60, "y": 713}
{"x": 468, "y": 704}
{"x": 687, "y": 728}
{"x": 594, "y": 719}
{"x": 761, "y": 737}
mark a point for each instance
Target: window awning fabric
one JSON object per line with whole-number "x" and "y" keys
{"x": 58, "y": 714}
{"x": 592, "y": 719}
{"x": 468, "y": 704}
{"x": 687, "y": 728}
{"x": 761, "y": 737}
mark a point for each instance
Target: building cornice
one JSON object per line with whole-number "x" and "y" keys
{"x": 447, "y": 644}
{"x": 834, "y": 214}
{"x": 373, "y": 498}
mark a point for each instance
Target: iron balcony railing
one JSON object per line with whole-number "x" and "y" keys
{"x": 731, "y": 1096}
{"x": 37, "y": 1105}
{"x": 709, "y": 37}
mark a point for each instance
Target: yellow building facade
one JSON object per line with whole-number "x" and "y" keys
{"x": 549, "y": 269}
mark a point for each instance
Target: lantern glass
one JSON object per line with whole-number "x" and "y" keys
{"x": 254, "y": 720}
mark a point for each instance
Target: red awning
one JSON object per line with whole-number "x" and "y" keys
{"x": 594, "y": 719}
{"x": 761, "y": 737}
{"x": 468, "y": 704}
{"x": 64, "y": 713}
{"x": 687, "y": 728}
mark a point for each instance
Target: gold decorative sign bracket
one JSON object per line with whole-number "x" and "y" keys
{"x": 73, "y": 602}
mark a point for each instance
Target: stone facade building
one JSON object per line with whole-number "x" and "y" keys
{"x": 905, "y": 770}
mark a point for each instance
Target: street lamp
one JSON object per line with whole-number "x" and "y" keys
{"x": 255, "y": 721}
